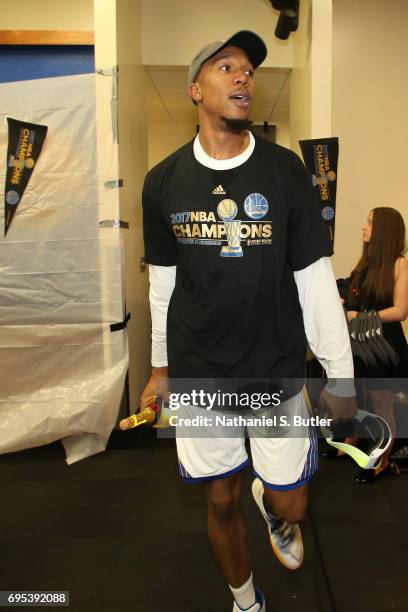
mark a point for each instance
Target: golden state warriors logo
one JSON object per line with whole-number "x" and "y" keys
{"x": 256, "y": 206}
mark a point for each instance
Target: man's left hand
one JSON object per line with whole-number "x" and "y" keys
{"x": 336, "y": 407}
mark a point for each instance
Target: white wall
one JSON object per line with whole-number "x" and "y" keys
{"x": 165, "y": 137}
{"x": 133, "y": 167}
{"x": 283, "y": 134}
{"x": 47, "y": 15}
{"x": 321, "y": 56}
{"x": 300, "y": 96}
{"x": 311, "y": 78}
{"x": 370, "y": 93}
{"x": 118, "y": 41}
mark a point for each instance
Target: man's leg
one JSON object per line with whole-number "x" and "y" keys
{"x": 227, "y": 530}
{"x": 284, "y": 464}
{"x": 212, "y": 458}
{"x": 290, "y": 505}
{"x": 282, "y": 511}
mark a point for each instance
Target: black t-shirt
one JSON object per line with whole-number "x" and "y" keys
{"x": 236, "y": 237}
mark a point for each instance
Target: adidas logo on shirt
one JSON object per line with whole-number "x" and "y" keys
{"x": 219, "y": 190}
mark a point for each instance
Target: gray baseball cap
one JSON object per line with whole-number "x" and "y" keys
{"x": 248, "y": 41}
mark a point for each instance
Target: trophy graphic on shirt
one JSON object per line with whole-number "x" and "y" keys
{"x": 227, "y": 211}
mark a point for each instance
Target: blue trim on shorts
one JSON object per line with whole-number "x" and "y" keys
{"x": 186, "y": 477}
{"x": 312, "y": 458}
{"x": 287, "y": 487}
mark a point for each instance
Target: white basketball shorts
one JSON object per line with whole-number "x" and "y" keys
{"x": 285, "y": 458}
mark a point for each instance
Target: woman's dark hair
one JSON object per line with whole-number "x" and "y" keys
{"x": 372, "y": 280}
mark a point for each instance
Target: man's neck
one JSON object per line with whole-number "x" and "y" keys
{"x": 222, "y": 143}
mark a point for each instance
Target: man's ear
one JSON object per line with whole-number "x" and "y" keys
{"x": 195, "y": 92}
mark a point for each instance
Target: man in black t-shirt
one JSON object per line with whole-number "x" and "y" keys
{"x": 239, "y": 277}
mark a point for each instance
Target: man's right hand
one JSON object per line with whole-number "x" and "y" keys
{"x": 158, "y": 385}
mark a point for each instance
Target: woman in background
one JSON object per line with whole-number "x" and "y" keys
{"x": 380, "y": 282}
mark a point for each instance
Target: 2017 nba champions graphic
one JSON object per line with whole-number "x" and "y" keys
{"x": 203, "y": 228}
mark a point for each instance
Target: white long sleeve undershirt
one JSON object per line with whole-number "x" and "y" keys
{"x": 162, "y": 280}
{"x": 325, "y": 324}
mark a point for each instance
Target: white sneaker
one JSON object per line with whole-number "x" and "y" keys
{"x": 259, "y": 606}
{"x": 285, "y": 537}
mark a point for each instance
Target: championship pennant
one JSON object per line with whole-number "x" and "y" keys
{"x": 25, "y": 141}
{"x": 321, "y": 156}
